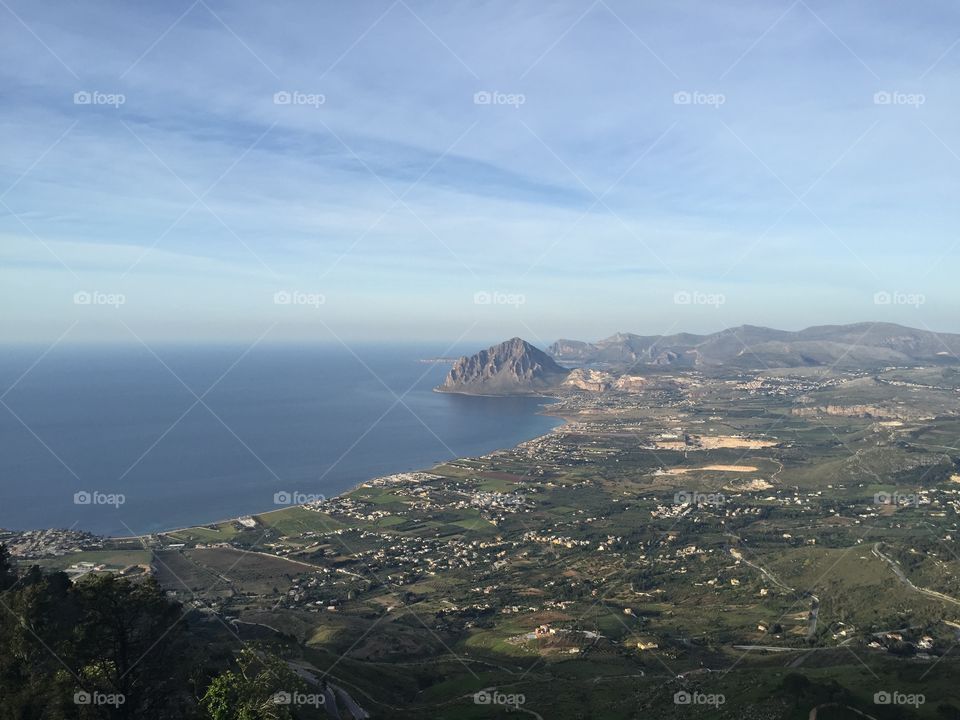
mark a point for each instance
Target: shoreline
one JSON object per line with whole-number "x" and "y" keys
{"x": 564, "y": 418}
{"x": 440, "y": 390}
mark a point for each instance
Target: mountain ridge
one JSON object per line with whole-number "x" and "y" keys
{"x": 861, "y": 343}
{"x": 515, "y": 367}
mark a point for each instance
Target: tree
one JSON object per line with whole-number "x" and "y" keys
{"x": 35, "y": 658}
{"x": 101, "y": 635}
{"x": 8, "y": 575}
{"x": 127, "y": 634}
{"x": 255, "y": 690}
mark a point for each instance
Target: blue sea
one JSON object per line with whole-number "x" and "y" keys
{"x": 114, "y": 440}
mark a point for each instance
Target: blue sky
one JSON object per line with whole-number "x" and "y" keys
{"x": 639, "y": 166}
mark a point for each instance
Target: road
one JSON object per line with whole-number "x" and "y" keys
{"x": 766, "y": 573}
{"x": 898, "y": 571}
{"x": 332, "y": 693}
{"x": 814, "y": 600}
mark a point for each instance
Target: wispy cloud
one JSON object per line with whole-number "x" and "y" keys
{"x": 499, "y": 125}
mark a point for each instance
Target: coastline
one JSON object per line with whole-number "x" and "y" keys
{"x": 495, "y": 395}
{"x": 566, "y": 419}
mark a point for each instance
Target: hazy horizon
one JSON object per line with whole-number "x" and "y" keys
{"x": 446, "y": 346}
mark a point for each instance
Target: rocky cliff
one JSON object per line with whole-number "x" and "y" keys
{"x": 514, "y": 367}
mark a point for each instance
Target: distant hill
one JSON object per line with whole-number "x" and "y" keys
{"x": 748, "y": 346}
{"x": 510, "y": 368}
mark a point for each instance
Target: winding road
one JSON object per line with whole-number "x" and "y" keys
{"x": 898, "y": 571}
{"x": 814, "y": 600}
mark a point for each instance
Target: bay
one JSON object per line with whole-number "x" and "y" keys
{"x": 190, "y": 435}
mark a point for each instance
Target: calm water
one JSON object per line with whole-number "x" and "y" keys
{"x": 294, "y": 419}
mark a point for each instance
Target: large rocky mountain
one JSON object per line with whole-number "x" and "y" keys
{"x": 858, "y": 345}
{"x": 510, "y": 368}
